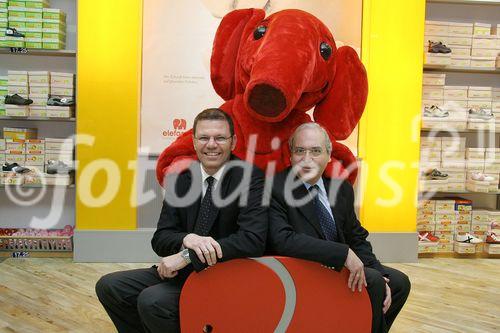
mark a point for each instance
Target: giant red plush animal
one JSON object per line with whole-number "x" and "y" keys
{"x": 270, "y": 71}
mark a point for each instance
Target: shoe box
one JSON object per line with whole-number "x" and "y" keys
{"x": 492, "y": 248}
{"x": 19, "y": 133}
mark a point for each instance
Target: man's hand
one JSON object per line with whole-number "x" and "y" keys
{"x": 207, "y": 249}
{"x": 357, "y": 269}
{"x": 388, "y": 299}
{"x": 169, "y": 266}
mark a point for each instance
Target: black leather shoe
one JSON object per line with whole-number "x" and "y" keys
{"x": 17, "y": 100}
{"x": 15, "y": 168}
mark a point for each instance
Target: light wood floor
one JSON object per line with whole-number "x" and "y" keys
{"x": 57, "y": 295}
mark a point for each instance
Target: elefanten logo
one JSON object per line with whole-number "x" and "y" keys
{"x": 179, "y": 127}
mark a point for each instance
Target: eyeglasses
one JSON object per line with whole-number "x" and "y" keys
{"x": 220, "y": 140}
{"x": 299, "y": 151}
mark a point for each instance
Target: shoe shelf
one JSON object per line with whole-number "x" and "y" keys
{"x": 38, "y": 119}
{"x": 36, "y": 186}
{"x": 426, "y": 130}
{"x": 30, "y": 52}
{"x": 435, "y": 68}
{"x": 467, "y": 2}
{"x": 460, "y": 192}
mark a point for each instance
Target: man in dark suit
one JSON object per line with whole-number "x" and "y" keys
{"x": 196, "y": 229}
{"x": 313, "y": 218}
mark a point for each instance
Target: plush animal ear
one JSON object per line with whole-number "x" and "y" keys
{"x": 343, "y": 106}
{"x": 233, "y": 28}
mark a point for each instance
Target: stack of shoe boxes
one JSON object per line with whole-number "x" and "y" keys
{"x": 436, "y": 31}
{"x": 453, "y": 162}
{"x": 430, "y": 155}
{"x": 58, "y": 151}
{"x": 460, "y": 43}
{"x": 54, "y": 29}
{"x": 17, "y": 84}
{"x": 495, "y": 105}
{"x": 3, "y": 21}
{"x": 62, "y": 85}
{"x": 484, "y": 46}
{"x": 426, "y": 223}
{"x": 483, "y": 169}
{"x": 35, "y": 157}
{"x": 446, "y": 220}
{"x": 455, "y": 100}
{"x": 492, "y": 168}
{"x": 39, "y": 85}
{"x": 2, "y": 151}
{"x": 480, "y": 98}
{"x": 481, "y": 222}
{"x": 4, "y": 82}
{"x": 432, "y": 96}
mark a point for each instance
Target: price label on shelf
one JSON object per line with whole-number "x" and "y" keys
{"x": 18, "y": 50}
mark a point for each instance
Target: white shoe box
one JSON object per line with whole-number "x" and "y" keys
{"x": 477, "y": 103}
{"x": 430, "y": 143}
{"x": 433, "y": 185}
{"x": 62, "y": 79}
{"x": 432, "y": 92}
{"x": 481, "y": 29}
{"x": 482, "y": 62}
{"x": 59, "y": 111}
{"x": 35, "y": 144}
{"x": 460, "y": 50}
{"x": 428, "y": 102}
{"x": 488, "y": 53}
{"x": 62, "y": 180}
{"x": 459, "y": 39}
{"x": 39, "y": 99}
{"x": 445, "y": 206}
{"x": 438, "y": 59}
{"x": 431, "y": 155}
{"x": 481, "y": 215}
{"x": 464, "y": 216}
{"x": 35, "y": 77}
{"x": 462, "y": 227}
{"x": 460, "y": 105}
{"x": 444, "y": 236}
{"x": 453, "y": 155}
{"x": 464, "y": 248}
{"x": 453, "y": 143}
{"x": 477, "y": 186}
{"x": 480, "y": 227}
{"x": 15, "y": 156}
{"x": 456, "y": 186}
{"x": 475, "y": 153}
{"x": 58, "y": 144}
{"x": 445, "y": 247}
{"x": 426, "y": 226}
{"x": 492, "y": 248}
{"x": 484, "y": 42}
{"x": 453, "y": 165}
{"x": 430, "y": 79}
{"x": 460, "y": 28}
{"x": 436, "y": 28}
{"x": 427, "y": 247}
{"x": 485, "y": 125}
{"x": 443, "y": 124}
{"x": 475, "y": 166}
{"x": 458, "y": 93}
{"x": 35, "y": 157}
{"x": 454, "y": 176}
{"x": 480, "y": 92}
{"x": 21, "y": 90}
{"x": 38, "y": 111}
{"x": 460, "y": 60}
{"x": 426, "y": 205}
{"x": 16, "y": 110}
{"x": 17, "y": 77}
{"x": 40, "y": 89}
{"x": 13, "y": 144}
{"x": 490, "y": 167}
{"x": 57, "y": 90}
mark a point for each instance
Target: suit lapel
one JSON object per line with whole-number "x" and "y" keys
{"x": 337, "y": 208}
{"x": 308, "y": 210}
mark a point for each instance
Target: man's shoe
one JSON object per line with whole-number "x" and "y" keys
{"x": 435, "y": 174}
{"x": 17, "y": 100}
{"x": 438, "y": 47}
{"x": 58, "y": 168}
{"x": 56, "y": 101}
{"x": 492, "y": 238}
{"x": 428, "y": 237}
{"x": 483, "y": 114}
{"x": 468, "y": 238}
{"x": 12, "y": 32}
{"x": 435, "y": 112}
{"x": 15, "y": 168}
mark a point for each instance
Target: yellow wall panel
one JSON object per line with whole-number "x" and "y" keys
{"x": 108, "y": 104}
{"x": 392, "y": 51}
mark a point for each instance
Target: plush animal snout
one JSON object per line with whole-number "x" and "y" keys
{"x": 266, "y": 100}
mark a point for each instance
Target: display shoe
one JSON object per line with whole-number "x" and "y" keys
{"x": 480, "y": 113}
{"x": 435, "y": 174}
{"x": 12, "y": 32}
{"x": 425, "y": 236}
{"x": 17, "y": 100}
{"x": 15, "y": 168}
{"x": 435, "y": 112}
{"x": 492, "y": 238}
{"x": 56, "y": 101}
{"x": 481, "y": 176}
{"x": 438, "y": 47}
{"x": 58, "y": 167}
{"x": 468, "y": 238}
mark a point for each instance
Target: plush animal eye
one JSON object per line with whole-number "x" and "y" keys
{"x": 259, "y": 32}
{"x": 325, "y": 50}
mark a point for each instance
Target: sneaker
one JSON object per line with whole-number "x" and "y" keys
{"x": 468, "y": 238}
{"x": 438, "y": 47}
{"x": 15, "y": 168}
{"x": 17, "y": 100}
{"x": 492, "y": 238}
{"x": 58, "y": 167}
{"x": 12, "y": 32}
{"x": 483, "y": 114}
{"x": 435, "y": 174}
{"x": 435, "y": 112}
{"x": 424, "y": 236}
{"x": 481, "y": 176}
{"x": 56, "y": 101}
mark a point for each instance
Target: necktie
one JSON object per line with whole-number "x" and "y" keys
{"x": 207, "y": 212}
{"x": 325, "y": 219}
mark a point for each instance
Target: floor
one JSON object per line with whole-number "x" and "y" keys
{"x": 57, "y": 295}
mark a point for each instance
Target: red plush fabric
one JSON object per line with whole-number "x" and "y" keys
{"x": 271, "y": 71}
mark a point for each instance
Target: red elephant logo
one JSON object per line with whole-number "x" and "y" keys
{"x": 179, "y": 124}
{"x": 270, "y": 72}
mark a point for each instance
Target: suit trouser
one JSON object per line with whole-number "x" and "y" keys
{"x": 400, "y": 288}
{"x": 140, "y": 301}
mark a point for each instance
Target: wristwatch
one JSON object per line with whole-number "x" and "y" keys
{"x": 185, "y": 255}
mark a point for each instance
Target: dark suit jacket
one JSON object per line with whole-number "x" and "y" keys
{"x": 240, "y": 230}
{"x": 296, "y": 232}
